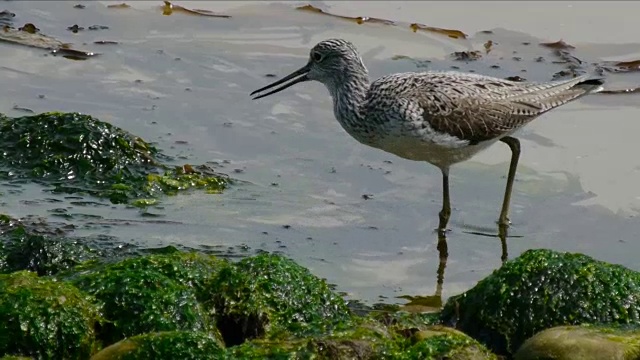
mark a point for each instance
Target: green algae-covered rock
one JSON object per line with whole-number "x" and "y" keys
{"x": 72, "y": 151}
{"x": 585, "y": 342}
{"x": 176, "y": 179}
{"x": 179, "y": 345}
{"x": 197, "y": 270}
{"x": 399, "y": 319}
{"x": 439, "y": 342}
{"x": 140, "y": 300}
{"x": 194, "y": 269}
{"x": 76, "y": 153}
{"x": 364, "y": 340}
{"x": 45, "y": 319}
{"x": 45, "y": 251}
{"x": 272, "y": 349}
{"x": 542, "y": 289}
{"x": 367, "y": 342}
{"x": 266, "y": 294}
{"x": 36, "y": 245}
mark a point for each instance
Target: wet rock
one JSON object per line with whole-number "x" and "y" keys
{"x": 30, "y": 28}
{"x": 184, "y": 345}
{"x": 21, "y": 249}
{"x": 189, "y": 305}
{"x": 71, "y": 150}
{"x": 582, "y": 342}
{"x": 76, "y": 153}
{"x": 75, "y": 28}
{"x": 439, "y": 342}
{"x": 39, "y": 247}
{"x": 369, "y": 341}
{"x": 195, "y": 269}
{"x": 466, "y": 55}
{"x": 542, "y": 289}
{"x": 364, "y": 340}
{"x": 149, "y": 294}
{"x": 268, "y": 294}
{"x": 45, "y": 319}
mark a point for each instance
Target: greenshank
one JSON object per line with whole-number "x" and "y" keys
{"x": 442, "y": 118}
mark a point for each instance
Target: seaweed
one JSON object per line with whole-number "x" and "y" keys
{"x": 77, "y": 153}
{"x": 541, "y": 289}
{"x": 46, "y": 319}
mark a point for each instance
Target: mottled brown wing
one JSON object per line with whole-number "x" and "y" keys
{"x": 482, "y": 109}
{"x": 475, "y": 119}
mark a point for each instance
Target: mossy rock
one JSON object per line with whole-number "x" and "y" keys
{"x": 35, "y": 245}
{"x": 364, "y": 340}
{"x": 401, "y": 320}
{"x": 138, "y": 299}
{"x": 361, "y": 339}
{"x": 541, "y": 289}
{"x": 271, "y": 349}
{"x": 76, "y": 153}
{"x": 368, "y": 342}
{"x": 267, "y": 294}
{"x": 194, "y": 269}
{"x": 71, "y": 150}
{"x": 439, "y": 342}
{"x": 182, "y": 345}
{"x": 585, "y": 342}
{"x": 46, "y": 319}
{"x": 13, "y": 357}
{"x": 44, "y": 251}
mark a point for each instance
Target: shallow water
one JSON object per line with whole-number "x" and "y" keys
{"x": 187, "y": 78}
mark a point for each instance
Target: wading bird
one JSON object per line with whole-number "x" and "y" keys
{"x": 442, "y": 118}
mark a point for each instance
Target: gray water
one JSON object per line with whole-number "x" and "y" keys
{"x": 181, "y": 78}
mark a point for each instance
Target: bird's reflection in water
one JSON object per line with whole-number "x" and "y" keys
{"x": 434, "y": 302}
{"x": 503, "y": 234}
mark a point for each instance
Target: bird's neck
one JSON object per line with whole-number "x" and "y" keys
{"x": 349, "y": 94}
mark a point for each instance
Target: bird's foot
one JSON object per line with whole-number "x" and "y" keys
{"x": 504, "y": 222}
{"x": 443, "y": 216}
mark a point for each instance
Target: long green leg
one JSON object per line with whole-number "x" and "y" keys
{"x": 445, "y": 213}
{"x": 514, "y": 145}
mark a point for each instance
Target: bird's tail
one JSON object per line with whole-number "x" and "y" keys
{"x": 547, "y": 96}
{"x": 592, "y": 85}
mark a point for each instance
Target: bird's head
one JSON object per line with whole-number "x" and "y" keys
{"x": 330, "y": 61}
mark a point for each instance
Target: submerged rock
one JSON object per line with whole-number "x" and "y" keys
{"x": 182, "y": 345}
{"x": 45, "y": 319}
{"x": 541, "y": 289}
{"x": 582, "y": 342}
{"x": 36, "y": 246}
{"x": 46, "y": 254}
{"x": 73, "y": 152}
{"x": 76, "y": 153}
{"x": 269, "y": 294}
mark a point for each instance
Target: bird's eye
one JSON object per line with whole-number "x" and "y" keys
{"x": 317, "y": 56}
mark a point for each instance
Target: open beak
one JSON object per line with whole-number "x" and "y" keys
{"x": 297, "y": 76}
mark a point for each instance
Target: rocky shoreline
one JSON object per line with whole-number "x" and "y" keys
{"x": 63, "y": 297}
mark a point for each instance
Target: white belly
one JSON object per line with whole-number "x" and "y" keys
{"x": 439, "y": 154}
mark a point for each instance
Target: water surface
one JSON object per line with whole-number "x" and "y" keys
{"x": 180, "y": 78}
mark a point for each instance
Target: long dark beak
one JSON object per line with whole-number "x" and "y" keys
{"x": 298, "y": 76}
